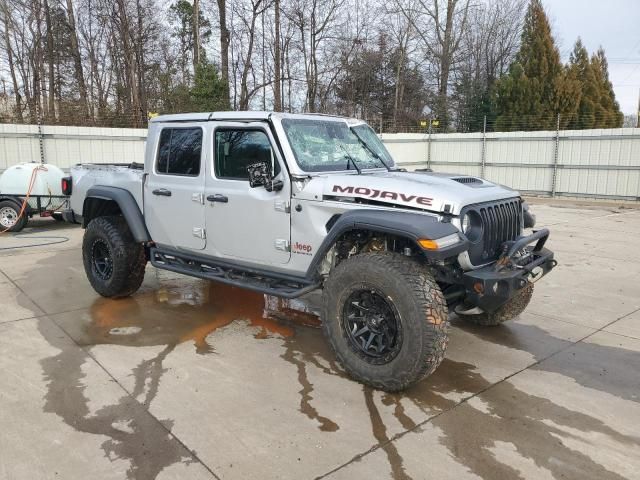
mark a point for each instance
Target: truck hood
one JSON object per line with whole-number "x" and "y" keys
{"x": 431, "y": 191}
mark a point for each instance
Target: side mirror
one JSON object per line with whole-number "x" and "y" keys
{"x": 260, "y": 175}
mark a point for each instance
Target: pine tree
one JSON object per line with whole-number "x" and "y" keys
{"x": 537, "y": 87}
{"x": 208, "y": 93}
{"x": 608, "y": 109}
{"x": 580, "y": 69}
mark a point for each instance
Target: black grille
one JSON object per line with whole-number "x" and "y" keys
{"x": 500, "y": 222}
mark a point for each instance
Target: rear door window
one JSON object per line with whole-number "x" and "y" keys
{"x": 179, "y": 151}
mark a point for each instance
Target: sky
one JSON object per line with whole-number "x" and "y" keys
{"x": 614, "y": 24}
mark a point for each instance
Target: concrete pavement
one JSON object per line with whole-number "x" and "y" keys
{"x": 191, "y": 379}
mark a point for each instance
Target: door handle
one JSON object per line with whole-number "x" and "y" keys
{"x": 218, "y": 198}
{"x": 163, "y": 192}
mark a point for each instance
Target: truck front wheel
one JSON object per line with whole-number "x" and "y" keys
{"x": 386, "y": 319}
{"x": 113, "y": 261}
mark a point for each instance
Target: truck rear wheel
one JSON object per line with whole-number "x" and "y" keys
{"x": 10, "y": 219}
{"x": 510, "y": 310}
{"x": 386, "y": 319}
{"x": 113, "y": 261}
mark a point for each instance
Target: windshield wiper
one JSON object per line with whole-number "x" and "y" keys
{"x": 350, "y": 159}
{"x": 366, "y": 145}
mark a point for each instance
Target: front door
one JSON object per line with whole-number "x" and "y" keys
{"x": 174, "y": 189}
{"x": 244, "y": 223}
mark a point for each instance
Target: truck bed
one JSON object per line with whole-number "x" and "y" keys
{"x": 127, "y": 176}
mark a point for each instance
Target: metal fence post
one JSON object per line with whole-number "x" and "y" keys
{"x": 555, "y": 159}
{"x": 40, "y": 134}
{"x": 484, "y": 146}
{"x": 429, "y": 147}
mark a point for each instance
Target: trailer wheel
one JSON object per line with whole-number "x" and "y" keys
{"x": 113, "y": 261}
{"x": 10, "y": 219}
{"x": 386, "y": 319}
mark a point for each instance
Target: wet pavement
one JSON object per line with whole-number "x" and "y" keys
{"x": 192, "y": 379}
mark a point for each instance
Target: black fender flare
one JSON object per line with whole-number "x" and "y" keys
{"x": 413, "y": 226}
{"x": 127, "y": 204}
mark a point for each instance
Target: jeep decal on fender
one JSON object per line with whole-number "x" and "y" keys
{"x": 302, "y": 248}
{"x": 383, "y": 194}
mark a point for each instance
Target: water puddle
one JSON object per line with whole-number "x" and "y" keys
{"x": 188, "y": 311}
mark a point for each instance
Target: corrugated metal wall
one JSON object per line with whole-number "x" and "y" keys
{"x": 66, "y": 146}
{"x": 581, "y": 163}
{"x": 577, "y": 163}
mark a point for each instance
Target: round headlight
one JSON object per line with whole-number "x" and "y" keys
{"x": 471, "y": 224}
{"x": 466, "y": 224}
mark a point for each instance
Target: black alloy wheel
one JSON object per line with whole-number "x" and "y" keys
{"x": 372, "y": 326}
{"x": 101, "y": 260}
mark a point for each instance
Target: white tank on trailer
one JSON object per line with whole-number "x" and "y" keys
{"x": 15, "y": 180}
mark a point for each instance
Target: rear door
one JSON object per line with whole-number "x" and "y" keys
{"x": 174, "y": 188}
{"x": 244, "y": 223}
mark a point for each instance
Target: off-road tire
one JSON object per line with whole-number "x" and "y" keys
{"x": 510, "y": 310}
{"x": 128, "y": 258}
{"x": 22, "y": 221}
{"x": 422, "y": 313}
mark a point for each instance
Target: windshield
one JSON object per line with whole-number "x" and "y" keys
{"x": 330, "y": 145}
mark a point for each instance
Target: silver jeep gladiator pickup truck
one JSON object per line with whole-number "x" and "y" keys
{"x": 285, "y": 204}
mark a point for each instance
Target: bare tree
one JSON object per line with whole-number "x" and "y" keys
{"x": 109, "y": 62}
{"x": 445, "y": 22}
{"x": 77, "y": 59}
{"x": 196, "y": 34}
{"x": 277, "y": 69}
{"x": 225, "y": 39}
{"x": 7, "y": 20}
{"x": 256, "y": 9}
{"x": 315, "y": 20}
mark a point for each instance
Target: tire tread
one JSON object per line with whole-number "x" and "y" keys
{"x": 431, "y": 302}
{"x": 129, "y": 260}
{"x": 510, "y": 310}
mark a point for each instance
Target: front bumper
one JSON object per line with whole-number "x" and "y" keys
{"x": 492, "y": 286}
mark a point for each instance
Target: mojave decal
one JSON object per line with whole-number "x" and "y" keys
{"x": 382, "y": 194}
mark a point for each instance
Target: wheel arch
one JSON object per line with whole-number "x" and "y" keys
{"x": 406, "y": 225}
{"x": 11, "y": 198}
{"x": 101, "y": 201}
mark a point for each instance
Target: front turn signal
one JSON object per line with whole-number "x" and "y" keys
{"x": 439, "y": 243}
{"x": 428, "y": 244}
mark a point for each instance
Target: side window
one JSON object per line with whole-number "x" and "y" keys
{"x": 179, "y": 151}
{"x": 236, "y": 149}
